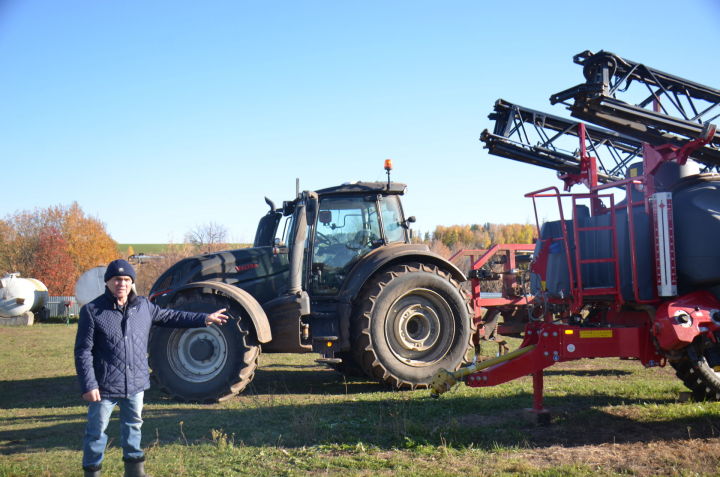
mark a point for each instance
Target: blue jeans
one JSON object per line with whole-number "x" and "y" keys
{"x": 130, "y": 423}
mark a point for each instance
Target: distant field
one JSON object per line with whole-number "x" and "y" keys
{"x": 159, "y": 248}
{"x": 147, "y": 248}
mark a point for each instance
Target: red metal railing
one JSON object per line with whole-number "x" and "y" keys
{"x": 482, "y": 257}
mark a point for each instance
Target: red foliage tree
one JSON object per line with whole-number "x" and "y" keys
{"x": 66, "y": 232}
{"x": 54, "y": 265}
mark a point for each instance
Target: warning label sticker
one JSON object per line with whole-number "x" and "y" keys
{"x": 596, "y": 333}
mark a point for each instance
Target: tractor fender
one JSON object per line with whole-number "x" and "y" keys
{"x": 390, "y": 255}
{"x": 247, "y": 301}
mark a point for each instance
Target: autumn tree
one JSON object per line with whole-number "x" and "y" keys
{"x": 55, "y": 268}
{"x": 6, "y": 240}
{"x": 448, "y": 240}
{"x": 436, "y": 246}
{"x": 88, "y": 242}
{"x": 18, "y": 242}
{"x": 482, "y": 236}
{"x": 27, "y": 237}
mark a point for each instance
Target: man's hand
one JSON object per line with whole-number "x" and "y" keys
{"x": 92, "y": 396}
{"x": 218, "y": 318}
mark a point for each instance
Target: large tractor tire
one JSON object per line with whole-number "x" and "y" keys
{"x": 212, "y": 363}
{"x": 410, "y": 321}
{"x": 698, "y": 369}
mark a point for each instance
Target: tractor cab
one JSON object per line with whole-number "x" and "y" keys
{"x": 352, "y": 220}
{"x": 334, "y": 228}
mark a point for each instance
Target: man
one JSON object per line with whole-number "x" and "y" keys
{"x": 111, "y": 363}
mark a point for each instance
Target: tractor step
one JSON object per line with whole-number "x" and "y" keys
{"x": 329, "y": 360}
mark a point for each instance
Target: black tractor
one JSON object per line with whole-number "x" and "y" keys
{"x": 332, "y": 272}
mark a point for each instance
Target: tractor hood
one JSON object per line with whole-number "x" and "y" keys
{"x": 252, "y": 269}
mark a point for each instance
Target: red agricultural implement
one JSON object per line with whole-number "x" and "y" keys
{"x": 632, "y": 267}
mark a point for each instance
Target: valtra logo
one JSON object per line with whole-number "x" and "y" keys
{"x": 247, "y": 266}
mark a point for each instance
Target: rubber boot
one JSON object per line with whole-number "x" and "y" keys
{"x": 91, "y": 471}
{"x": 135, "y": 469}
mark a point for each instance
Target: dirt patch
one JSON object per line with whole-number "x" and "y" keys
{"x": 700, "y": 456}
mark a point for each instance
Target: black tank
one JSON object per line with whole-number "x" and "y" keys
{"x": 696, "y": 215}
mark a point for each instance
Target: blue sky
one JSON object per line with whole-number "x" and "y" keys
{"x": 159, "y": 116}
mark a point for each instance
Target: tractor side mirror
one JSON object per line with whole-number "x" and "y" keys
{"x": 325, "y": 217}
{"x": 311, "y": 207}
{"x": 288, "y": 208}
{"x": 410, "y": 220}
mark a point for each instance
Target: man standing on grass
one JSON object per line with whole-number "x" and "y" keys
{"x": 111, "y": 363}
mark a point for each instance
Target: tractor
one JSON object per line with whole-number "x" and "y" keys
{"x": 332, "y": 272}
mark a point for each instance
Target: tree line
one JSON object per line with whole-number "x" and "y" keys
{"x": 447, "y": 240}
{"x": 54, "y": 245}
{"x": 57, "y": 244}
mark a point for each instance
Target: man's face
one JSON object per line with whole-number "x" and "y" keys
{"x": 120, "y": 286}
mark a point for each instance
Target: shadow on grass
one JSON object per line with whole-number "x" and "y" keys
{"x": 62, "y": 391}
{"x": 309, "y": 380}
{"x": 300, "y": 382}
{"x": 399, "y": 420}
{"x": 273, "y": 379}
{"x": 586, "y": 372}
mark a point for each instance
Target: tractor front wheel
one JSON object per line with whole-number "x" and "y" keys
{"x": 211, "y": 363}
{"x": 411, "y": 321}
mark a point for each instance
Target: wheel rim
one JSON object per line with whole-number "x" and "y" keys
{"x": 419, "y": 328}
{"x": 198, "y": 354}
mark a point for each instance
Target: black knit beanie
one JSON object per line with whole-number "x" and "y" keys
{"x": 118, "y": 268}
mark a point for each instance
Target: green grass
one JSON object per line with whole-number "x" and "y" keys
{"x": 609, "y": 417}
{"x": 146, "y": 248}
{"x": 160, "y": 248}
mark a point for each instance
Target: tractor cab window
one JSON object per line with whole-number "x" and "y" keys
{"x": 392, "y": 218}
{"x": 283, "y": 236}
{"x": 347, "y": 228}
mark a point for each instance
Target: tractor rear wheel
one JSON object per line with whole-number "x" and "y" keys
{"x": 205, "y": 364}
{"x": 411, "y": 321}
{"x": 698, "y": 369}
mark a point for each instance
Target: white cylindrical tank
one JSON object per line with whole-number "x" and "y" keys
{"x": 20, "y": 295}
{"x": 90, "y": 285}
{"x": 41, "y": 294}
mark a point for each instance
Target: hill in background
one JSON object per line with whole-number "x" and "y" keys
{"x": 160, "y": 248}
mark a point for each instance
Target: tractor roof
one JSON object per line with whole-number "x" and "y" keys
{"x": 365, "y": 187}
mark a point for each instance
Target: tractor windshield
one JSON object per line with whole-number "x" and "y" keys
{"x": 392, "y": 217}
{"x": 347, "y": 228}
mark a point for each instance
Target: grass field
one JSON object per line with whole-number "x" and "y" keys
{"x": 146, "y": 248}
{"x": 610, "y": 417}
{"x": 160, "y": 248}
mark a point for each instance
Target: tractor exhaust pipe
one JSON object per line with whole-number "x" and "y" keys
{"x": 296, "y": 253}
{"x": 306, "y": 212}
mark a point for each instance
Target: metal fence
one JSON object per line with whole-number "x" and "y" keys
{"x": 62, "y": 306}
